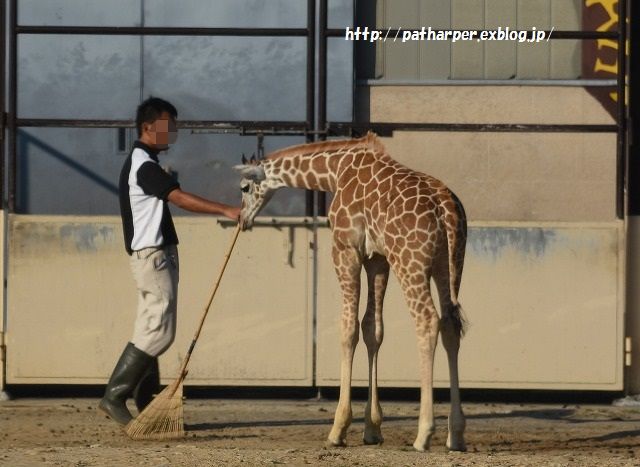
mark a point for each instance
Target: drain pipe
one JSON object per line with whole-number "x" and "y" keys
{"x": 3, "y": 233}
{"x": 4, "y": 395}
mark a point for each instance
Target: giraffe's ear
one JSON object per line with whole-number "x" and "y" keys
{"x": 251, "y": 172}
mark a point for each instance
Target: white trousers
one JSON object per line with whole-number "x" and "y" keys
{"x": 156, "y": 272}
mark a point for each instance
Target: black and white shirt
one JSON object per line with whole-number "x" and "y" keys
{"x": 144, "y": 188}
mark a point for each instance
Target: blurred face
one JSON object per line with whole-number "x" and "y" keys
{"x": 160, "y": 133}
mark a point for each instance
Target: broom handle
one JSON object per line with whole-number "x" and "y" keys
{"x": 183, "y": 371}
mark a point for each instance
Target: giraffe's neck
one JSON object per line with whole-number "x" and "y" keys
{"x": 311, "y": 170}
{"x": 317, "y": 166}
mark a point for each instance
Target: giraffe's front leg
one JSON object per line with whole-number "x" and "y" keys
{"x": 343, "y": 416}
{"x": 348, "y": 265}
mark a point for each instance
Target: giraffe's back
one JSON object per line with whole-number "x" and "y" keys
{"x": 406, "y": 209}
{"x": 381, "y": 206}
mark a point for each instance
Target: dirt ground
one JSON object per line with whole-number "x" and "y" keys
{"x": 224, "y": 432}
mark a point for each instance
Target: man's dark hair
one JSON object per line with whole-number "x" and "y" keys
{"x": 151, "y": 109}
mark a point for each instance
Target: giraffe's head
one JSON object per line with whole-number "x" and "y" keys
{"x": 257, "y": 189}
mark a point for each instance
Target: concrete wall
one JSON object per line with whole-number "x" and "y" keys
{"x": 507, "y": 176}
{"x": 544, "y": 302}
{"x": 632, "y": 318}
{"x": 72, "y": 303}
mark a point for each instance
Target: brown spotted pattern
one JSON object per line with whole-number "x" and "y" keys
{"x": 384, "y": 216}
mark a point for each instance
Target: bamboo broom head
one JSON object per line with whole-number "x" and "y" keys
{"x": 162, "y": 419}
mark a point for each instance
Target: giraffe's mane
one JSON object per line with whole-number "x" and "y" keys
{"x": 370, "y": 141}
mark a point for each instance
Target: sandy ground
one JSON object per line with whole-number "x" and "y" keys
{"x": 222, "y": 432}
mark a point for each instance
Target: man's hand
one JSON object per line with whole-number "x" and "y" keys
{"x": 194, "y": 203}
{"x": 232, "y": 213}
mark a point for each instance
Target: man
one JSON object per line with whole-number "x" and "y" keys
{"x": 151, "y": 241}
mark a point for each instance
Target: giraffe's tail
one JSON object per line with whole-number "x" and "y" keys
{"x": 456, "y": 316}
{"x": 455, "y": 223}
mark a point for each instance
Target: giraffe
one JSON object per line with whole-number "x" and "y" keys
{"x": 383, "y": 217}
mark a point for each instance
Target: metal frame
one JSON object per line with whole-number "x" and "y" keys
{"x": 620, "y": 128}
{"x": 316, "y": 124}
{"x": 633, "y": 116}
{"x": 302, "y": 128}
{"x": 3, "y": 114}
{"x": 622, "y": 136}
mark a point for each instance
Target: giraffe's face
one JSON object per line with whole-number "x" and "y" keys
{"x": 256, "y": 189}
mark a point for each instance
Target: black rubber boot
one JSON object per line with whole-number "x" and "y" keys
{"x": 128, "y": 371}
{"x": 148, "y": 386}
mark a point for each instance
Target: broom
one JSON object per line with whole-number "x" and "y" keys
{"x": 163, "y": 418}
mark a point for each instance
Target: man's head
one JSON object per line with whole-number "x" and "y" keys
{"x": 156, "y": 123}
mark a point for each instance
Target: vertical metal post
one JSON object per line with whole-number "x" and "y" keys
{"x": 311, "y": 90}
{"x": 631, "y": 382}
{"x": 322, "y": 89}
{"x": 322, "y": 66}
{"x": 3, "y": 114}
{"x": 13, "y": 91}
{"x": 4, "y": 395}
{"x": 311, "y": 195}
{"x": 311, "y": 62}
{"x": 621, "y": 148}
{"x": 141, "y": 53}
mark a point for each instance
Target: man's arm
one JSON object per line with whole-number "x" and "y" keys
{"x": 194, "y": 203}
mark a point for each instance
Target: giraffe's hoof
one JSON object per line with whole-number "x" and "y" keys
{"x": 335, "y": 443}
{"x": 462, "y": 448}
{"x": 456, "y": 445}
{"x": 421, "y": 446}
{"x": 372, "y": 438}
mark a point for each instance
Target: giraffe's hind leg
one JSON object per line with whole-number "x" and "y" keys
{"x": 416, "y": 287}
{"x": 450, "y": 327}
{"x": 377, "y": 269}
{"x": 427, "y": 325}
